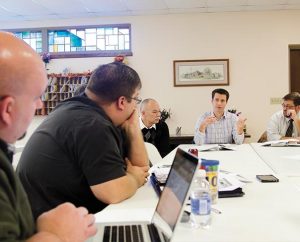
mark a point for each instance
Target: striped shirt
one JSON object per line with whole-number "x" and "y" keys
{"x": 223, "y": 131}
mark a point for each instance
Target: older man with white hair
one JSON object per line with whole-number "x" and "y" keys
{"x": 154, "y": 130}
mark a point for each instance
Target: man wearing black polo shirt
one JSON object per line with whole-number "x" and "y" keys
{"x": 89, "y": 150}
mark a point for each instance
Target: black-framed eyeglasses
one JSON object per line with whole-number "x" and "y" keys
{"x": 137, "y": 99}
{"x": 287, "y": 106}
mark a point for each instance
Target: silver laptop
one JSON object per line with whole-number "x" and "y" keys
{"x": 167, "y": 212}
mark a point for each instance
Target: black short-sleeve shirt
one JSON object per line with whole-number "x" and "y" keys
{"x": 77, "y": 146}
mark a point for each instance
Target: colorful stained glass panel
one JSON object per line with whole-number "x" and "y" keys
{"x": 33, "y": 38}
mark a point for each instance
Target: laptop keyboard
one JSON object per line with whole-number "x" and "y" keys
{"x": 153, "y": 233}
{"x": 129, "y": 233}
{"x": 126, "y": 233}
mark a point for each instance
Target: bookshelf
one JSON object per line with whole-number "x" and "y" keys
{"x": 61, "y": 87}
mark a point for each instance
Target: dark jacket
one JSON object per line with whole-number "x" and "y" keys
{"x": 159, "y": 137}
{"x": 16, "y": 220}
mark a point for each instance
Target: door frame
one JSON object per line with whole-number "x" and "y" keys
{"x": 291, "y": 47}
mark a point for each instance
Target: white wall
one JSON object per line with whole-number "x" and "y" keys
{"x": 256, "y": 44}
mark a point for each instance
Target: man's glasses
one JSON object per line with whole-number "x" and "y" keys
{"x": 137, "y": 99}
{"x": 287, "y": 106}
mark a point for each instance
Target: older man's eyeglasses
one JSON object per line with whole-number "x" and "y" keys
{"x": 137, "y": 99}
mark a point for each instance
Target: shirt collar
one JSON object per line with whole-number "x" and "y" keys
{"x": 83, "y": 98}
{"x": 225, "y": 115}
{"x": 142, "y": 125}
{"x": 8, "y": 149}
{"x": 287, "y": 120}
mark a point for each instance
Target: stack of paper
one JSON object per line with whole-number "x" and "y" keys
{"x": 283, "y": 142}
{"x": 216, "y": 147}
{"x": 228, "y": 182}
{"x": 161, "y": 173}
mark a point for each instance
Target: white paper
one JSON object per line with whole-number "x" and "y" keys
{"x": 283, "y": 142}
{"x": 228, "y": 182}
{"x": 161, "y": 173}
{"x": 216, "y": 147}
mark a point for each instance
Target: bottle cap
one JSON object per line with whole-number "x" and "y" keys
{"x": 205, "y": 162}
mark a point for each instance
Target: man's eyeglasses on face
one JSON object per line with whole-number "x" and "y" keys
{"x": 137, "y": 99}
{"x": 287, "y": 106}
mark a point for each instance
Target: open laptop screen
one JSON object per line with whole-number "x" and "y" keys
{"x": 177, "y": 186}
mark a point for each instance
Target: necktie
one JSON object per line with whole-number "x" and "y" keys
{"x": 289, "y": 131}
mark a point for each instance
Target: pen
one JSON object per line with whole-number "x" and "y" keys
{"x": 155, "y": 184}
{"x": 217, "y": 211}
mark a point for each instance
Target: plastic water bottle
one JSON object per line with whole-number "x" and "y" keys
{"x": 200, "y": 201}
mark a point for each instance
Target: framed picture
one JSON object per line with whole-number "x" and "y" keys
{"x": 213, "y": 72}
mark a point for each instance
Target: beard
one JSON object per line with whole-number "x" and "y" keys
{"x": 285, "y": 114}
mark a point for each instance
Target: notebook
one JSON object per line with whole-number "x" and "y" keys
{"x": 168, "y": 210}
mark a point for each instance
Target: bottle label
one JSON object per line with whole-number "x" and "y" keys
{"x": 201, "y": 206}
{"x": 213, "y": 180}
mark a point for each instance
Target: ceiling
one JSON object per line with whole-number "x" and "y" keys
{"x": 26, "y": 10}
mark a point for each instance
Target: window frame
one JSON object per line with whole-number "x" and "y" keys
{"x": 79, "y": 54}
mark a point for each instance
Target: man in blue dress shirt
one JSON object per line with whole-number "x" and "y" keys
{"x": 219, "y": 126}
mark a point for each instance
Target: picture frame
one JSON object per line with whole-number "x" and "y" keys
{"x": 210, "y": 72}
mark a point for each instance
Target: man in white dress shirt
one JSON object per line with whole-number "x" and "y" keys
{"x": 219, "y": 126}
{"x": 285, "y": 124}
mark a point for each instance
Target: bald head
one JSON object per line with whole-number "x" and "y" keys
{"x": 22, "y": 81}
{"x": 16, "y": 61}
{"x": 150, "y": 112}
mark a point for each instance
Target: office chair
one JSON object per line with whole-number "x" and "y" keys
{"x": 153, "y": 154}
{"x": 263, "y": 138}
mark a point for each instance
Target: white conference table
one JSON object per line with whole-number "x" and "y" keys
{"x": 269, "y": 212}
{"x": 282, "y": 160}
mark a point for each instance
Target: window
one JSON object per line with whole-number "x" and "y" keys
{"x": 84, "y": 41}
{"x": 33, "y": 38}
